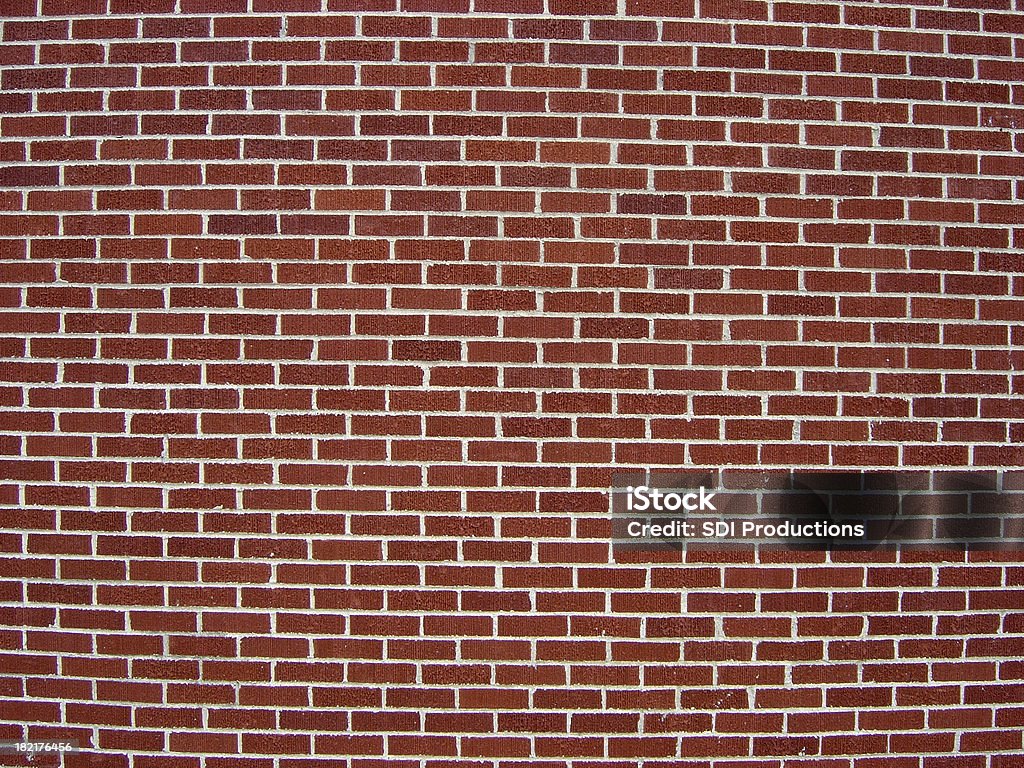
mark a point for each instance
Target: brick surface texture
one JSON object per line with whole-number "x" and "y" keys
{"x": 326, "y": 323}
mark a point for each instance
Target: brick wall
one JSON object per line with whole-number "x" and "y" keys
{"x": 327, "y": 323}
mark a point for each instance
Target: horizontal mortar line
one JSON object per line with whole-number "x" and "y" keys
{"x": 622, "y": 44}
{"x": 653, "y": 665}
{"x": 765, "y": 96}
{"x": 499, "y": 312}
{"x": 213, "y": 312}
{"x": 342, "y": 86}
{"x": 683, "y": 164}
{"x": 480, "y": 564}
{"x": 274, "y": 187}
{"x": 483, "y": 14}
{"x": 150, "y": 459}
{"x": 618, "y": 265}
{"x": 798, "y": 172}
{"x": 287, "y": 67}
{"x": 288, "y": 73}
{"x": 134, "y": 462}
{"x": 643, "y": 241}
{"x": 900, "y": 370}
{"x": 494, "y": 15}
{"x": 586, "y": 365}
{"x": 655, "y": 117}
{"x": 288, "y": 163}
{"x": 572, "y": 189}
{"x": 507, "y": 213}
{"x": 686, "y": 49}
{"x": 831, "y": 369}
{"x": 62, "y": 284}
{"x": 348, "y": 612}
{"x": 393, "y": 588}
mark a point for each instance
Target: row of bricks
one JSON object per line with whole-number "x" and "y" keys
{"x": 918, "y": 125}
{"x": 288, "y": 431}
{"x": 426, "y": 285}
{"x": 876, "y": 661}
{"x": 897, "y": 15}
{"x": 776, "y": 195}
{"x": 552, "y": 659}
{"x": 327, "y": 338}
{"x": 77, "y": 363}
{"x": 508, "y": 326}
{"x": 519, "y": 522}
{"x": 295, "y": 435}
{"x": 659, "y": 115}
{"x": 255, "y": 716}
{"x": 637, "y": 371}
{"x": 334, "y": 218}
{"x": 481, "y": 286}
{"x": 552, "y": 188}
{"x": 222, "y": 444}
{"x": 593, "y": 548}
{"x": 993, "y": 81}
{"x": 688, "y": 230}
{"x": 446, "y": 37}
{"x": 966, "y": 395}
{"x": 276, "y": 41}
{"x": 824, "y": 240}
{"x": 99, "y": 213}
{"x": 952, "y": 640}
{"x": 545, "y": 751}
{"x": 678, "y": 145}
{"x": 331, "y": 759}
{"x": 595, "y": 264}
{"x": 562, "y": 470}
{"x": 558, "y": 68}
{"x": 950, "y": 128}
{"x": 285, "y": 717}
{"x": 279, "y": 698}
{"x": 282, "y": 185}
{"x": 924, "y": 659}
{"x": 856, "y": 21}
{"x": 811, "y": 695}
{"x": 295, "y": 593}
{"x": 949, "y": 686}
{"x": 153, "y": 535}
{"x": 482, "y": 471}
{"x": 663, "y": 584}
{"x": 954, "y": 681}
{"x": 596, "y": 313}
{"x": 488, "y": 299}
{"x": 290, "y": 536}
{"x": 816, "y": 241}
{"x": 566, "y": 565}
{"x": 78, "y": 526}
